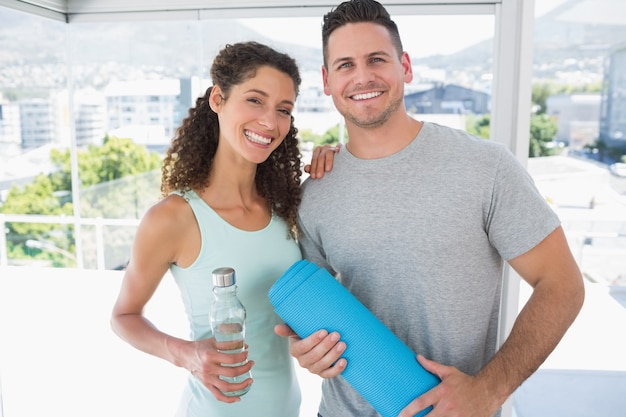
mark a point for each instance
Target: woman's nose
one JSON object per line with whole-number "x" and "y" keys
{"x": 268, "y": 119}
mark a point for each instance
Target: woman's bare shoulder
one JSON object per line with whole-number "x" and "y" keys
{"x": 171, "y": 214}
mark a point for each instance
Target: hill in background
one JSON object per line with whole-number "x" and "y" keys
{"x": 167, "y": 49}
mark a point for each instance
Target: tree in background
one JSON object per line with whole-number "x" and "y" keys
{"x": 478, "y": 125}
{"x": 543, "y": 129}
{"x": 116, "y": 158}
{"x": 541, "y": 92}
{"x": 307, "y": 135}
{"x": 330, "y": 137}
{"x": 37, "y": 197}
{"x": 119, "y": 179}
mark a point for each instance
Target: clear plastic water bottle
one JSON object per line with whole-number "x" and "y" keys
{"x": 228, "y": 322}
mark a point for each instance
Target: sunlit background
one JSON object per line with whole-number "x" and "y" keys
{"x": 88, "y": 108}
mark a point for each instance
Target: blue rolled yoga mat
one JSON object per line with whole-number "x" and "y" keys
{"x": 381, "y": 368}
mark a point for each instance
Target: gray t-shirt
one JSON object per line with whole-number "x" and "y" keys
{"x": 420, "y": 238}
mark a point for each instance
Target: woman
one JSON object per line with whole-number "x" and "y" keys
{"x": 231, "y": 187}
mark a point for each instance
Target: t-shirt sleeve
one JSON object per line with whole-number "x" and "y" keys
{"x": 310, "y": 214}
{"x": 519, "y": 217}
{"x": 311, "y": 248}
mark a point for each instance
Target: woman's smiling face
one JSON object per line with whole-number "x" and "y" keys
{"x": 256, "y": 116}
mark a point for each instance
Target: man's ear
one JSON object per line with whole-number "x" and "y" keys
{"x": 216, "y": 98}
{"x": 408, "y": 68}
{"x": 325, "y": 80}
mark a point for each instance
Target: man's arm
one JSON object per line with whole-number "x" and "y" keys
{"x": 557, "y": 297}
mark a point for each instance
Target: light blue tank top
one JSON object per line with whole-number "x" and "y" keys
{"x": 259, "y": 259}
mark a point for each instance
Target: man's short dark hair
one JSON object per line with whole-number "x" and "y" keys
{"x": 359, "y": 11}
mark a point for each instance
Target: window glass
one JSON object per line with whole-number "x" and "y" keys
{"x": 132, "y": 84}
{"x": 576, "y": 130}
{"x": 577, "y": 161}
{"x": 34, "y": 124}
{"x": 452, "y": 75}
{"x": 128, "y": 85}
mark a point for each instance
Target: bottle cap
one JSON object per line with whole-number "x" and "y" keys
{"x": 224, "y": 277}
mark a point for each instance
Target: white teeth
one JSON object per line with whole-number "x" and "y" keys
{"x": 366, "y": 95}
{"x": 253, "y": 137}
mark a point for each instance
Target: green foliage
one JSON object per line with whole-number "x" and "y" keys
{"x": 330, "y": 137}
{"x": 114, "y": 178}
{"x": 120, "y": 158}
{"x": 34, "y": 198}
{"x": 307, "y": 135}
{"x": 54, "y": 249}
{"x": 543, "y": 128}
{"x": 119, "y": 179}
{"x": 37, "y": 197}
{"x": 478, "y": 125}
{"x": 116, "y": 158}
{"x": 540, "y": 94}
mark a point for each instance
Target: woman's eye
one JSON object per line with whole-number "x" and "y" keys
{"x": 255, "y": 100}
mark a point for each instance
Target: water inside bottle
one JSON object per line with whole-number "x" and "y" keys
{"x": 229, "y": 339}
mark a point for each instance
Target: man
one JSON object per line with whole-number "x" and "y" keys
{"x": 417, "y": 220}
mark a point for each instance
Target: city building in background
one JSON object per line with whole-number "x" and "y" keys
{"x": 448, "y": 99}
{"x": 10, "y": 135}
{"x": 577, "y": 117}
{"x": 146, "y": 110}
{"x": 613, "y": 110}
{"x": 90, "y": 117}
{"x": 37, "y": 123}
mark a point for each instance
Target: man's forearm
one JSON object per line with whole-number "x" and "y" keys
{"x": 537, "y": 330}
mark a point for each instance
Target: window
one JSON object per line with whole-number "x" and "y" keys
{"x": 72, "y": 94}
{"x": 577, "y": 61}
{"x": 139, "y": 90}
{"x": 33, "y": 94}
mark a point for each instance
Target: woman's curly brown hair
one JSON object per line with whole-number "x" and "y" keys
{"x": 188, "y": 160}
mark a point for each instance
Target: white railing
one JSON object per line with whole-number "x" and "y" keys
{"x": 98, "y": 223}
